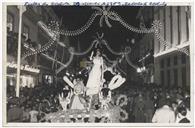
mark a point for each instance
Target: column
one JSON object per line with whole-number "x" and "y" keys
{"x": 175, "y": 25}
{"x": 168, "y": 25}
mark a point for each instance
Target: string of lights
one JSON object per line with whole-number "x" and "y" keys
{"x": 129, "y": 27}
{"x": 120, "y": 69}
{"x": 106, "y": 14}
{"x": 69, "y": 61}
{"x": 84, "y": 52}
{"x": 40, "y": 50}
{"x": 168, "y": 44}
{"x": 116, "y": 53}
{"x": 110, "y": 61}
{"x": 78, "y": 31}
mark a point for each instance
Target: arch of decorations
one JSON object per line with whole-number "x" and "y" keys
{"x": 105, "y": 14}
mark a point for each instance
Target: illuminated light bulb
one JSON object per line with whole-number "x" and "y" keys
{"x": 138, "y": 70}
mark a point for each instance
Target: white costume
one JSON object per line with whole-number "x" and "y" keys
{"x": 95, "y": 77}
{"x": 64, "y": 101}
{"x": 77, "y": 100}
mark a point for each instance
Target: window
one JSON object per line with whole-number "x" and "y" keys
{"x": 162, "y": 78}
{"x": 26, "y": 31}
{"x": 168, "y": 77}
{"x": 168, "y": 62}
{"x": 175, "y": 77}
{"x": 175, "y": 60}
{"x": 162, "y": 63}
{"x": 183, "y": 58}
{"x": 10, "y": 22}
{"x": 183, "y": 72}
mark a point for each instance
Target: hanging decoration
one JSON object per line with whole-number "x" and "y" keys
{"x": 40, "y": 50}
{"x": 157, "y": 25}
{"x": 109, "y": 61}
{"x": 78, "y": 31}
{"x": 121, "y": 70}
{"x": 130, "y": 63}
{"x": 98, "y": 39}
{"x": 127, "y": 50}
{"x": 71, "y": 50}
{"x": 54, "y": 36}
{"x": 84, "y": 52}
{"x": 105, "y": 14}
{"x": 131, "y": 28}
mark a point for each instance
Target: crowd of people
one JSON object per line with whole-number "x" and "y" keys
{"x": 32, "y": 104}
{"x": 145, "y": 104}
{"x": 154, "y": 104}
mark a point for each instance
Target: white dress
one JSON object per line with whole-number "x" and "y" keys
{"x": 94, "y": 80}
{"x": 77, "y": 100}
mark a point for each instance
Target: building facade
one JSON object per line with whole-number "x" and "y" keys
{"x": 171, "y": 67}
{"x": 33, "y": 37}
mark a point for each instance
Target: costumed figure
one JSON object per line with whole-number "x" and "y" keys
{"x": 77, "y": 100}
{"x": 105, "y": 96}
{"x": 95, "y": 79}
{"x": 64, "y": 97}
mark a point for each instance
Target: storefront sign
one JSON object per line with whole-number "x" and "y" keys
{"x": 24, "y": 67}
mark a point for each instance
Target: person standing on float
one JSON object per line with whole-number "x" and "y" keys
{"x": 95, "y": 79}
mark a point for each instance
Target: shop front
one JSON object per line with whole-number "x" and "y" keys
{"x": 28, "y": 77}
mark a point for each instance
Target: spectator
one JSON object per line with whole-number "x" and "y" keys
{"x": 33, "y": 115}
{"x": 164, "y": 114}
{"x": 26, "y": 115}
{"x": 181, "y": 116}
{"x": 139, "y": 109}
{"x": 15, "y": 113}
{"x": 149, "y": 108}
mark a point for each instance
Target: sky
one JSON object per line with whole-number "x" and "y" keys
{"x": 74, "y": 17}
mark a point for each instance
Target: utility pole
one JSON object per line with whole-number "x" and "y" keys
{"x": 21, "y": 10}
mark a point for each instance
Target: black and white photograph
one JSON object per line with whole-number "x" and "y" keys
{"x": 71, "y": 64}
